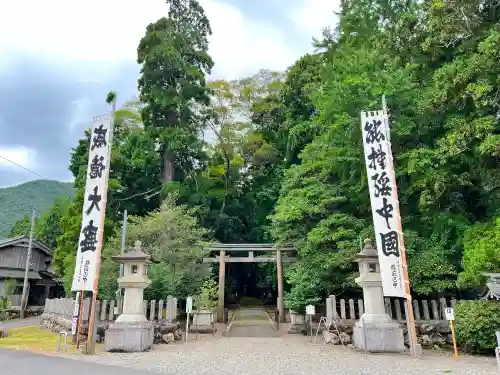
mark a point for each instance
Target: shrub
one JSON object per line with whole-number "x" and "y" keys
{"x": 207, "y": 299}
{"x": 476, "y": 323}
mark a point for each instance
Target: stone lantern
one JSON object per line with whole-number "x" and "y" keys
{"x": 375, "y": 329}
{"x": 132, "y": 332}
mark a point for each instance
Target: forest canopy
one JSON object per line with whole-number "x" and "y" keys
{"x": 285, "y": 163}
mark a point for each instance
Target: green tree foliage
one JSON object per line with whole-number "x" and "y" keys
{"x": 172, "y": 236}
{"x": 7, "y": 290}
{"x": 174, "y": 59}
{"x": 207, "y": 298}
{"x": 48, "y": 226}
{"x": 131, "y": 184}
{"x": 481, "y": 252}
{"x": 21, "y": 227}
{"x": 282, "y": 155}
{"x": 16, "y": 202}
{"x": 476, "y": 323}
{"x": 441, "y": 90}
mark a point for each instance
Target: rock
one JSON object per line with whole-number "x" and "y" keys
{"x": 443, "y": 328}
{"x": 438, "y": 339}
{"x": 346, "y": 338}
{"x": 426, "y": 340}
{"x": 101, "y": 331}
{"x": 427, "y": 327}
{"x": 166, "y": 327}
{"x": 330, "y": 338}
{"x": 349, "y": 329}
{"x": 54, "y": 323}
{"x": 3, "y": 334}
{"x": 168, "y": 338}
{"x": 177, "y": 335}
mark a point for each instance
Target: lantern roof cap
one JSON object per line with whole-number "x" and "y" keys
{"x": 368, "y": 251}
{"x": 135, "y": 254}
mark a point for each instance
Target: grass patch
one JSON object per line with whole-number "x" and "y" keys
{"x": 32, "y": 338}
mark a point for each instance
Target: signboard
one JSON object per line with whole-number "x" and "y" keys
{"x": 384, "y": 201}
{"x": 94, "y": 206}
{"x": 449, "y": 313}
{"x": 189, "y": 305}
{"x": 76, "y": 312}
{"x": 310, "y": 310}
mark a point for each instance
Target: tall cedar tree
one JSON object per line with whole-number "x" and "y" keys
{"x": 174, "y": 60}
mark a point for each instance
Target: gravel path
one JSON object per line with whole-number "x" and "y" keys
{"x": 287, "y": 355}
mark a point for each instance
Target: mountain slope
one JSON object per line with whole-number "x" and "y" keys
{"x": 19, "y": 201}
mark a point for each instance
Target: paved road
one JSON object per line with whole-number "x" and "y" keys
{"x": 24, "y": 363}
{"x": 251, "y": 321}
{"x": 14, "y": 323}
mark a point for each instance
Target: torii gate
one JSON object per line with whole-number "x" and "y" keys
{"x": 279, "y": 259}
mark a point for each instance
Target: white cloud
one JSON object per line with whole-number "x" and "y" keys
{"x": 240, "y": 46}
{"x": 313, "y": 15}
{"x": 80, "y": 109}
{"x": 109, "y": 32}
{"x": 21, "y": 155}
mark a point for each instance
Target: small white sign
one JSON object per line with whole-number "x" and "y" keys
{"x": 450, "y": 315}
{"x": 310, "y": 310}
{"x": 189, "y": 305}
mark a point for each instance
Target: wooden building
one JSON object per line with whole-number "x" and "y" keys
{"x": 42, "y": 282}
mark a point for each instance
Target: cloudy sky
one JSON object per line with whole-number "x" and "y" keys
{"x": 59, "y": 58}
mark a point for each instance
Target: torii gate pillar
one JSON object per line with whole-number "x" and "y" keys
{"x": 222, "y": 277}
{"x": 279, "y": 269}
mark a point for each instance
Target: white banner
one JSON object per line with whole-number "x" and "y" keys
{"x": 94, "y": 206}
{"x": 383, "y": 197}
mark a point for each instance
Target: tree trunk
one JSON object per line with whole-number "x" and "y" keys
{"x": 226, "y": 189}
{"x": 168, "y": 167}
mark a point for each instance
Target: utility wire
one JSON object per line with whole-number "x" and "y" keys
{"x": 26, "y": 169}
{"x": 155, "y": 191}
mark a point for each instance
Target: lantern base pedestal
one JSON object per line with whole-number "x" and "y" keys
{"x": 131, "y": 318}
{"x": 129, "y": 337}
{"x": 379, "y": 337}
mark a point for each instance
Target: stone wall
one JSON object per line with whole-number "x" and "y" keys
{"x": 55, "y": 323}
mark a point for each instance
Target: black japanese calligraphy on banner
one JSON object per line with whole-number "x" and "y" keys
{"x": 386, "y": 211}
{"x": 99, "y": 138}
{"x": 89, "y": 241}
{"x": 377, "y": 158}
{"x": 94, "y": 199}
{"x": 373, "y": 131}
{"x": 390, "y": 243}
{"x": 97, "y": 166}
{"x": 381, "y": 184}
{"x": 94, "y": 206}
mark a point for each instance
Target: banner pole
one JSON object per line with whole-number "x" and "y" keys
{"x": 79, "y": 320}
{"x": 410, "y": 318}
{"x": 90, "y": 337}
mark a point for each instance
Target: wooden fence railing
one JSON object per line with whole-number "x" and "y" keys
{"x": 350, "y": 310}
{"x": 108, "y": 310}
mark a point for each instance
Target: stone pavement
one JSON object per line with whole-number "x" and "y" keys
{"x": 251, "y": 321}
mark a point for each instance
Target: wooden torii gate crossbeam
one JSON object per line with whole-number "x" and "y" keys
{"x": 280, "y": 257}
